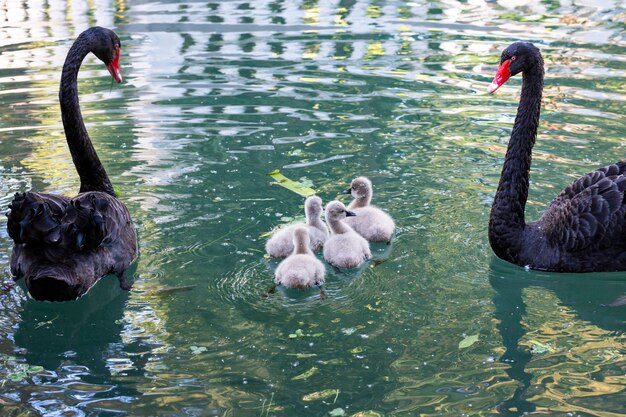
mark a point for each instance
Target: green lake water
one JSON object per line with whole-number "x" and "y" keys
{"x": 217, "y": 94}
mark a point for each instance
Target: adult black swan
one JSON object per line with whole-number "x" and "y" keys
{"x": 584, "y": 228}
{"x": 64, "y": 245}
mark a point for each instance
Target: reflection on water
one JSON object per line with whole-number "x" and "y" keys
{"x": 581, "y": 341}
{"x": 218, "y": 94}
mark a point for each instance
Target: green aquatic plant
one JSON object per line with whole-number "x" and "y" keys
{"x": 16, "y": 371}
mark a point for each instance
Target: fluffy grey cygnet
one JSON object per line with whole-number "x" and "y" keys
{"x": 345, "y": 248}
{"x": 301, "y": 269}
{"x": 281, "y": 242}
{"x": 370, "y": 222}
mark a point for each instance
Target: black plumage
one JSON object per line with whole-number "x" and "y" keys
{"x": 64, "y": 245}
{"x": 584, "y": 228}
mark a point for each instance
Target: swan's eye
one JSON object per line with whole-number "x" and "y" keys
{"x": 513, "y": 58}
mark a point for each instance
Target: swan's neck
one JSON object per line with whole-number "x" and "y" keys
{"x": 507, "y": 222}
{"x": 313, "y": 220}
{"x": 301, "y": 246}
{"x": 361, "y": 202}
{"x": 338, "y": 227}
{"x": 92, "y": 175}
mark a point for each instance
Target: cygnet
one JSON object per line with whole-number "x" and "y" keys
{"x": 344, "y": 248}
{"x": 370, "y": 222}
{"x": 301, "y": 269}
{"x": 281, "y": 242}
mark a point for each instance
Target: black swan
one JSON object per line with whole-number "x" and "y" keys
{"x": 584, "y": 228}
{"x": 64, "y": 245}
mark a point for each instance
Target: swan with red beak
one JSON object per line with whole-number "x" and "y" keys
{"x": 114, "y": 66}
{"x": 502, "y": 75}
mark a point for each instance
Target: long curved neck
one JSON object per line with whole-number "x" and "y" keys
{"x": 338, "y": 227}
{"x": 507, "y": 222}
{"x": 313, "y": 220}
{"x": 92, "y": 175}
{"x": 361, "y": 202}
{"x": 301, "y": 245}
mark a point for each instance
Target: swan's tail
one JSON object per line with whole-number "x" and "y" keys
{"x": 298, "y": 277}
{"x": 49, "y": 220}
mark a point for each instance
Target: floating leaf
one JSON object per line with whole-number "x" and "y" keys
{"x": 302, "y": 355}
{"x": 468, "y": 341}
{"x": 320, "y": 395}
{"x": 196, "y": 350}
{"x": 291, "y": 185}
{"x": 335, "y": 361}
{"x": 298, "y": 333}
{"x": 539, "y": 348}
{"x": 35, "y": 369}
{"x": 368, "y": 413}
{"x": 306, "y": 374}
{"x": 17, "y": 376}
{"x": 338, "y": 412}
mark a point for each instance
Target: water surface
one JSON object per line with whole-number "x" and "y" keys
{"x": 218, "y": 94}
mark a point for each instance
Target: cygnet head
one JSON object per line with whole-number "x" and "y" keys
{"x": 360, "y": 188}
{"x": 301, "y": 240}
{"x": 313, "y": 206}
{"x": 336, "y": 211}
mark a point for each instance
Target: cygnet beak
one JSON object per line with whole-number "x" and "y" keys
{"x": 350, "y": 213}
{"x": 348, "y": 191}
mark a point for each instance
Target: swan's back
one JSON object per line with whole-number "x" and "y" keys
{"x": 586, "y": 222}
{"x": 372, "y": 223}
{"x": 300, "y": 271}
{"x": 64, "y": 245}
{"x": 346, "y": 250}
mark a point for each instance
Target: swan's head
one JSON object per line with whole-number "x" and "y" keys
{"x": 518, "y": 57}
{"x": 106, "y": 46}
{"x": 336, "y": 211}
{"x": 313, "y": 206}
{"x": 360, "y": 187}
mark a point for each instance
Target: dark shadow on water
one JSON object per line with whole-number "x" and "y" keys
{"x": 75, "y": 338}
{"x": 590, "y": 297}
{"x": 82, "y": 329}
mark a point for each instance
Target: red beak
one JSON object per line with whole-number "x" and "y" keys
{"x": 114, "y": 67}
{"x": 502, "y": 75}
